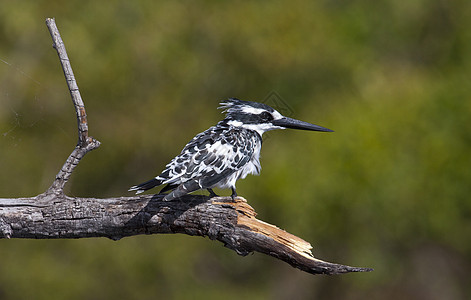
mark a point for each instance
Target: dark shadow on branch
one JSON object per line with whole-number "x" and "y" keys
{"x": 156, "y": 206}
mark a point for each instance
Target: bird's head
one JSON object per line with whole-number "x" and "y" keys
{"x": 261, "y": 117}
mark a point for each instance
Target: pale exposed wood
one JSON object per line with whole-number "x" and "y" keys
{"x": 54, "y": 215}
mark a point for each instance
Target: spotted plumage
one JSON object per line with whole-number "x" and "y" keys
{"x": 224, "y": 153}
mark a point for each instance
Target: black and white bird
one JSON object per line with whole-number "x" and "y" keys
{"x": 224, "y": 153}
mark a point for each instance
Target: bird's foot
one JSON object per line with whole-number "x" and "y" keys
{"x": 212, "y": 193}
{"x": 233, "y": 195}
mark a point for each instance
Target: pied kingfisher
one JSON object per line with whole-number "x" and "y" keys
{"x": 224, "y": 153}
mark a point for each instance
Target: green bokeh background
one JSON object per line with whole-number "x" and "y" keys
{"x": 389, "y": 189}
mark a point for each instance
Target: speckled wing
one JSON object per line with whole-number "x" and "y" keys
{"x": 209, "y": 158}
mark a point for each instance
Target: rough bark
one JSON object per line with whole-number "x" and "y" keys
{"x": 53, "y": 215}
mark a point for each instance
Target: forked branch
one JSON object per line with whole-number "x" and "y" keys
{"x": 85, "y": 143}
{"x": 53, "y": 215}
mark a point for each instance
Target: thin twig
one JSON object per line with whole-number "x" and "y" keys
{"x": 85, "y": 143}
{"x": 58, "y": 44}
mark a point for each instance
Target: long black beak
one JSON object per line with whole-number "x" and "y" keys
{"x": 296, "y": 124}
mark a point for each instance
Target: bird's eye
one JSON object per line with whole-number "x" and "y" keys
{"x": 266, "y": 116}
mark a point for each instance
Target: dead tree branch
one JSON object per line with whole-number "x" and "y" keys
{"x": 85, "y": 143}
{"x": 54, "y": 215}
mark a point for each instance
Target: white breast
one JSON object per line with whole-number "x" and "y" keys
{"x": 252, "y": 167}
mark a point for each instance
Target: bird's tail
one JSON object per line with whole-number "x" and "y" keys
{"x": 183, "y": 189}
{"x": 145, "y": 186}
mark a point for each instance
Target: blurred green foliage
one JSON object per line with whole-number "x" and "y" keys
{"x": 389, "y": 189}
